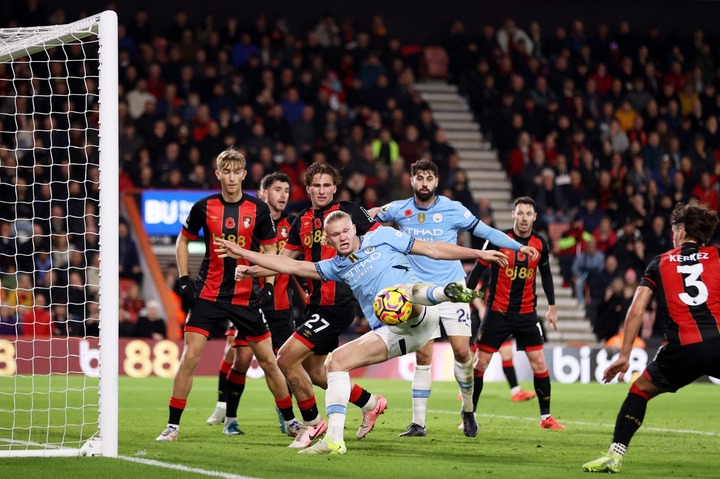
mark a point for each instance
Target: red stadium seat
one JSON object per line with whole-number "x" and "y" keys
{"x": 436, "y": 62}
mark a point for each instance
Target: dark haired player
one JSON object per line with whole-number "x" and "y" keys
{"x": 511, "y": 307}
{"x": 686, "y": 284}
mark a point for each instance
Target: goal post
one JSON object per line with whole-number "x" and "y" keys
{"x": 59, "y": 208}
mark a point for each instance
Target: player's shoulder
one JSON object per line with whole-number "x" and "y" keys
{"x": 349, "y": 206}
{"x": 539, "y": 236}
{"x": 205, "y": 199}
{"x": 253, "y": 199}
{"x": 446, "y": 203}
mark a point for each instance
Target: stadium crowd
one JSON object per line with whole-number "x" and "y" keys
{"x": 606, "y": 128}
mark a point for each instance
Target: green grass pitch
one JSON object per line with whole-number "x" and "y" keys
{"x": 680, "y": 437}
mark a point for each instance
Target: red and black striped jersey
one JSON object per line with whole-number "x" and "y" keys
{"x": 306, "y": 236}
{"x": 247, "y": 223}
{"x": 512, "y": 288}
{"x": 686, "y": 282}
{"x": 282, "y": 281}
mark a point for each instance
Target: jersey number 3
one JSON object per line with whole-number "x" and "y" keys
{"x": 692, "y": 279}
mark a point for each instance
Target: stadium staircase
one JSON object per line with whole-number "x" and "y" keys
{"x": 487, "y": 179}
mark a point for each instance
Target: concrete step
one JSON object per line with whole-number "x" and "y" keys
{"x": 474, "y": 155}
{"x": 475, "y": 144}
{"x": 436, "y": 98}
{"x": 478, "y": 174}
{"x": 450, "y": 125}
{"x": 570, "y": 336}
{"x": 452, "y": 116}
{"x": 449, "y": 106}
{"x": 484, "y": 184}
{"x": 455, "y": 136}
{"x": 498, "y": 195}
{"x": 435, "y": 87}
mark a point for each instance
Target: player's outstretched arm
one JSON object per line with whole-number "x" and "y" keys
{"x": 442, "y": 250}
{"x": 277, "y": 263}
{"x": 259, "y": 272}
{"x": 500, "y": 239}
{"x": 633, "y": 322}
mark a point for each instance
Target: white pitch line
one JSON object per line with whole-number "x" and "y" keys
{"x": 577, "y": 423}
{"x": 178, "y": 467}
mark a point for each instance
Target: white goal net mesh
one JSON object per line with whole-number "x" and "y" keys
{"x": 52, "y": 218}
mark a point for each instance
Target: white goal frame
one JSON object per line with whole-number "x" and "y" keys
{"x": 33, "y": 40}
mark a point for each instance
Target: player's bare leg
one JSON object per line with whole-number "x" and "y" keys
{"x": 182, "y": 383}
{"x": 541, "y": 379}
{"x": 291, "y": 357}
{"x": 364, "y": 351}
{"x": 517, "y": 394}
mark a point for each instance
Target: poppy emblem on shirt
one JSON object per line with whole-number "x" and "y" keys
{"x": 421, "y": 217}
{"x": 318, "y": 224}
{"x": 247, "y": 221}
{"x": 521, "y": 256}
{"x": 408, "y": 213}
{"x": 229, "y": 223}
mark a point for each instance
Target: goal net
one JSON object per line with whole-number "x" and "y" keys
{"x": 58, "y": 239}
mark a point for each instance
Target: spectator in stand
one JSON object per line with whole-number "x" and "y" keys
{"x": 706, "y": 191}
{"x": 617, "y": 137}
{"x": 531, "y": 172}
{"x": 639, "y": 175}
{"x": 385, "y": 149}
{"x": 550, "y": 202}
{"x": 519, "y": 157}
{"x": 597, "y": 283}
{"x": 440, "y": 151}
{"x": 9, "y": 322}
{"x": 630, "y": 249}
{"x": 605, "y": 236}
{"x": 571, "y": 243}
{"x": 129, "y": 265}
{"x": 591, "y": 215}
{"x": 657, "y": 238}
{"x": 702, "y": 157}
{"x": 587, "y": 262}
{"x": 150, "y": 323}
{"x": 509, "y": 38}
{"x": 36, "y": 321}
{"x": 612, "y": 310}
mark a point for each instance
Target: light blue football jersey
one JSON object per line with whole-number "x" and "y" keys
{"x": 441, "y": 221}
{"x": 380, "y": 262}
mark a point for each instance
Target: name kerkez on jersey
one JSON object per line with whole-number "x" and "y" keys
{"x": 680, "y": 258}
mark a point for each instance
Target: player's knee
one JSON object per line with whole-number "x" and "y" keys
{"x": 462, "y": 355}
{"x": 538, "y": 365}
{"x": 481, "y": 362}
{"x": 333, "y": 363}
{"x": 423, "y": 356}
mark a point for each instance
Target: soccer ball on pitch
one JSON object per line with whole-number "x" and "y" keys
{"x": 392, "y": 306}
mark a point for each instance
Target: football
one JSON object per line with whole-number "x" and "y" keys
{"x": 392, "y": 306}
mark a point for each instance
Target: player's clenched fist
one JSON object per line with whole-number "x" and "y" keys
{"x": 242, "y": 271}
